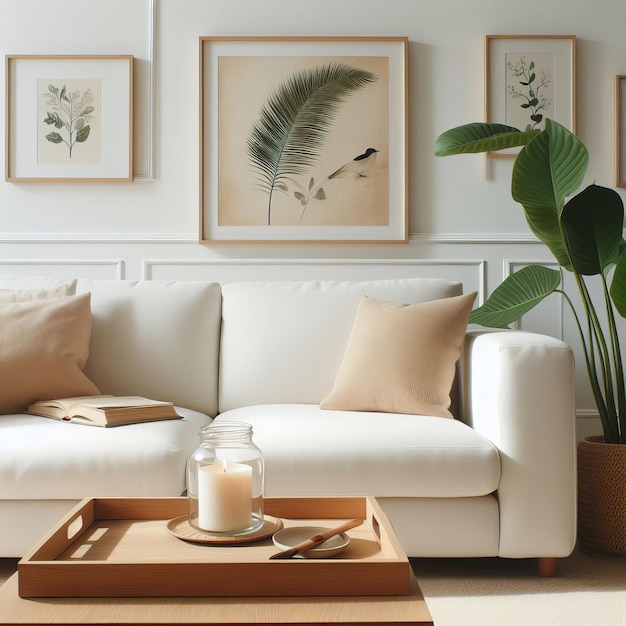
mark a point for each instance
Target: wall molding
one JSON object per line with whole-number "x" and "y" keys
{"x": 150, "y": 111}
{"x": 474, "y": 238}
{"x": 509, "y": 265}
{"x": 146, "y": 238}
{"x": 148, "y": 265}
{"x": 418, "y": 238}
{"x": 118, "y": 265}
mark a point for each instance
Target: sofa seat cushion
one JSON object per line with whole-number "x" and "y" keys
{"x": 42, "y": 458}
{"x": 310, "y": 451}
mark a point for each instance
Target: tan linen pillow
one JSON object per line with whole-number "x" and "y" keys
{"x": 401, "y": 358}
{"x": 44, "y": 344}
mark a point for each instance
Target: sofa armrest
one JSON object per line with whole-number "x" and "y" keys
{"x": 517, "y": 388}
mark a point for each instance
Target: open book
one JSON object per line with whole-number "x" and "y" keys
{"x": 104, "y": 410}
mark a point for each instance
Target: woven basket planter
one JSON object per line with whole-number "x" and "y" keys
{"x": 602, "y": 496}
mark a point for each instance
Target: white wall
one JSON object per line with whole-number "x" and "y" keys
{"x": 463, "y": 222}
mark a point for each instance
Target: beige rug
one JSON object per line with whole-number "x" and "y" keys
{"x": 587, "y": 591}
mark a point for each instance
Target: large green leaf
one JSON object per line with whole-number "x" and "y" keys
{"x": 592, "y": 222}
{"x": 294, "y": 122}
{"x": 585, "y": 235}
{"x": 618, "y": 285}
{"x": 516, "y": 295}
{"x": 550, "y": 167}
{"x": 480, "y": 137}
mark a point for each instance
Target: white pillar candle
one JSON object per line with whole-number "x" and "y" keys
{"x": 224, "y": 497}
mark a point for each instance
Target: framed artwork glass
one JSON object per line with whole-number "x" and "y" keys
{"x": 620, "y": 126}
{"x": 303, "y": 139}
{"x": 69, "y": 118}
{"x": 529, "y": 78}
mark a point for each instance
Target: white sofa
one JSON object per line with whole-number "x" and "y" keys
{"x": 498, "y": 480}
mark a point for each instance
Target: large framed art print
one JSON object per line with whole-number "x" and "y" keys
{"x": 69, "y": 118}
{"x": 303, "y": 139}
{"x": 620, "y": 131}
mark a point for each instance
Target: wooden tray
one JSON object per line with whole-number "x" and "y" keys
{"x": 121, "y": 547}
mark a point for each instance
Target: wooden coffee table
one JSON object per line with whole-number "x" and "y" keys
{"x": 379, "y": 610}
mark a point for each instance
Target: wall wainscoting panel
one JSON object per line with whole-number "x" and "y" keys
{"x": 188, "y": 237}
{"x": 471, "y": 272}
{"x": 110, "y": 269}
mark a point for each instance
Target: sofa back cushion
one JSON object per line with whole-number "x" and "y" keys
{"x": 157, "y": 339}
{"x": 283, "y": 342}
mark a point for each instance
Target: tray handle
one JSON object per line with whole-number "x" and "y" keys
{"x": 69, "y": 529}
{"x": 378, "y": 520}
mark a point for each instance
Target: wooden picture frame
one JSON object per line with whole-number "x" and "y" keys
{"x": 620, "y": 131}
{"x": 529, "y": 78}
{"x": 268, "y": 177}
{"x": 69, "y": 118}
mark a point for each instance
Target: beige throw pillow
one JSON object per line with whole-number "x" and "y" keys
{"x": 44, "y": 345}
{"x": 26, "y": 295}
{"x": 401, "y": 358}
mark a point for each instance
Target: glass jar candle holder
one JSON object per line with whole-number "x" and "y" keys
{"x": 225, "y": 481}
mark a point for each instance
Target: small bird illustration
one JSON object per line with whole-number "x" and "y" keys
{"x": 360, "y": 165}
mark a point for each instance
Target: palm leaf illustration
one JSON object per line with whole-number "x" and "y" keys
{"x": 294, "y": 122}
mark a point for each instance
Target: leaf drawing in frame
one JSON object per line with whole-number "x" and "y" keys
{"x": 294, "y": 123}
{"x": 70, "y": 113}
{"x": 70, "y": 122}
{"x": 530, "y": 89}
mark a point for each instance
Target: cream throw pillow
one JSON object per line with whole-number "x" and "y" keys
{"x": 27, "y": 295}
{"x": 401, "y": 358}
{"x": 44, "y": 345}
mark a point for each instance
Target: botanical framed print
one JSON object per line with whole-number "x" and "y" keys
{"x": 620, "y": 127}
{"x": 529, "y": 78}
{"x": 69, "y": 118}
{"x": 303, "y": 139}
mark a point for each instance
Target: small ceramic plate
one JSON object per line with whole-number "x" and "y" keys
{"x": 290, "y": 537}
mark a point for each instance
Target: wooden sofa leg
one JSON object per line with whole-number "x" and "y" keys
{"x": 547, "y": 566}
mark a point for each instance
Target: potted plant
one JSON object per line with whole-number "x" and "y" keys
{"x": 585, "y": 235}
